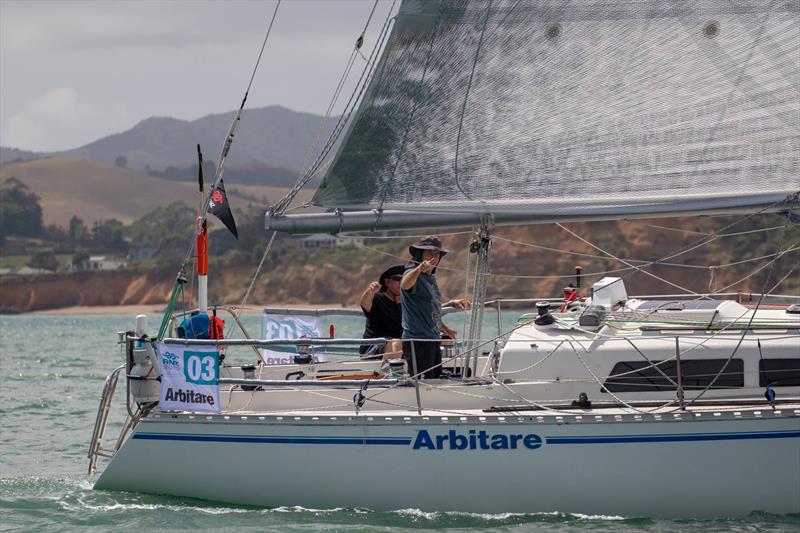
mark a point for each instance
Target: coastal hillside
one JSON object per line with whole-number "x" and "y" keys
{"x": 269, "y": 137}
{"x": 527, "y": 262}
{"x": 97, "y": 191}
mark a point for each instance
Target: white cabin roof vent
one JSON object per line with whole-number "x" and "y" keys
{"x": 609, "y": 292}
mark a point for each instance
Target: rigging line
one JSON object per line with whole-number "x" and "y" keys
{"x": 337, "y": 92}
{"x": 495, "y": 275}
{"x": 363, "y": 80}
{"x": 759, "y": 230}
{"x": 549, "y": 276}
{"x": 263, "y": 45}
{"x": 755, "y": 309}
{"x": 449, "y": 359}
{"x": 716, "y": 234}
{"x": 369, "y": 18}
{"x": 594, "y": 256}
{"x": 667, "y": 228}
{"x": 355, "y": 96}
{"x": 781, "y": 281}
{"x": 417, "y": 98}
{"x": 324, "y": 120}
{"x": 255, "y": 277}
{"x": 751, "y": 274}
{"x": 597, "y": 380}
{"x": 466, "y": 98}
{"x": 792, "y": 248}
{"x": 348, "y": 236}
{"x": 466, "y": 295}
{"x": 280, "y": 206}
{"x": 646, "y": 262}
{"x": 229, "y": 138}
{"x": 625, "y": 262}
{"x": 679, "y": 230}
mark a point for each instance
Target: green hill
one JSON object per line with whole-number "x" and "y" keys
{"x": 98, "y": 191}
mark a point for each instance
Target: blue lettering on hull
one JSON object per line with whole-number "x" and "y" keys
{"x": 475, "y": 440}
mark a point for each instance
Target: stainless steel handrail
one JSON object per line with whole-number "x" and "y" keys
{"x": 101, "y": 421}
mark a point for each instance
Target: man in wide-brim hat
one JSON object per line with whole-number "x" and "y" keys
{"x": 421, "y": 302}
{"x": 380, "y": 303}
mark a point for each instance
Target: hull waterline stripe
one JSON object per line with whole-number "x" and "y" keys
{"x": 254, "y": 439}
{"x": 622, "y": 439}
{"x": 406, "y": 441}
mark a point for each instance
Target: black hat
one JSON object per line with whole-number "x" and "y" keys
{"x": 392, "y": 271}
{"x": 431, "y": 242}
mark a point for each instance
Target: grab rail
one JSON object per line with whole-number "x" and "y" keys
{"x": 100, "y": 423}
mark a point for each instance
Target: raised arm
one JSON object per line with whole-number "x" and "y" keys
{"x": 410, "y": 277}
{"x": 368, "y": 295}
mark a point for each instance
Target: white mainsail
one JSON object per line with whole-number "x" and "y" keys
{"x": 553, "y": 110}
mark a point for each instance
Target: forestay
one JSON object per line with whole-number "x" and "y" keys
{"x": 557, "y": 107}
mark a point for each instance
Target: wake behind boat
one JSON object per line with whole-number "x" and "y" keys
{"x": 490, "y": 113}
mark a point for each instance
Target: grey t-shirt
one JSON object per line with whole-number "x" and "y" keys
{"x": 422, "y": 308}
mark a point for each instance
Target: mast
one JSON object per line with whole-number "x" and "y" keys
{"x": 481, "y": 247}
{"x": 202, "y": 242}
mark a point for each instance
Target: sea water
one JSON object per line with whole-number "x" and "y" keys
{"x": 52, "y": 370}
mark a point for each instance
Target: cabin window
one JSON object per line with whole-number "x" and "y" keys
{"x": 640, "y": 376}
{"x": 779, "y": 372}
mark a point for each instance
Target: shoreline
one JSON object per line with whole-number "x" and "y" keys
{"x": 151, "y": 309}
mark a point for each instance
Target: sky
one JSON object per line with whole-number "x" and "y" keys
{"x": 74, "y": 71}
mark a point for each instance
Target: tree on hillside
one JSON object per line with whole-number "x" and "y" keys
{"x": 44, "y": 260}
{"x": 20, "y": 212}
{"x": 78, "y": 233}
{"x": 55, "y": 234}
{"x": 109, "y": 235}
{"x": 173, "y": 224}
{"x": 80, "y": 260}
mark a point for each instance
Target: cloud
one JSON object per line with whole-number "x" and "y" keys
{"x": 58, "y": 114}
{"x": 74, "y": 71}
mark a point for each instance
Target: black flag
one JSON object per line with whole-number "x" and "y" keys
{"x": 219, "y": 207}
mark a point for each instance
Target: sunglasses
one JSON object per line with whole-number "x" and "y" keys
{"x": 396, "y": 278}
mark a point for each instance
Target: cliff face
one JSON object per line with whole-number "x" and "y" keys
{"x": 89, "y": 289}
{"x": 521, "y": 267}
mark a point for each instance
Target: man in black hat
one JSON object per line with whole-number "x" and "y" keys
{"x": 421, "y": 301}
{"x": 380, "y": 303}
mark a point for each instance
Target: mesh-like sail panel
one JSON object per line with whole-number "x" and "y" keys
{"x": 514, "y": 104}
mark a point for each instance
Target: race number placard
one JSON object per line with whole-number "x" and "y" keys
{"x": 287, "y": 327}
{"x": 189, "y": 378}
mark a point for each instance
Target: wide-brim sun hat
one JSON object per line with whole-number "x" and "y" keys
{"x": 396, "y": 270}
{"x": 431, "y": 242}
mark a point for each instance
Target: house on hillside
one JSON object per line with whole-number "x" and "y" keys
{"x": 325, "y": 241}
{"x": 96, "y": 263}
{"x": 318, "y": 240}
{"x": 99, "y": 262}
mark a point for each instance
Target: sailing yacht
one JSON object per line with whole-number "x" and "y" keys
{"x": 482, "y": 113}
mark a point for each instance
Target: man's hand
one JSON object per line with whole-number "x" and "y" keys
{"x": 368, "y": 294}
{"x": 459, "y": 303}
{"x": 426, "y": 267}
{"x": 450, "y": 332}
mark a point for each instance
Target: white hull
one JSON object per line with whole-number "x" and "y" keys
{"x": 725, "y": 464}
